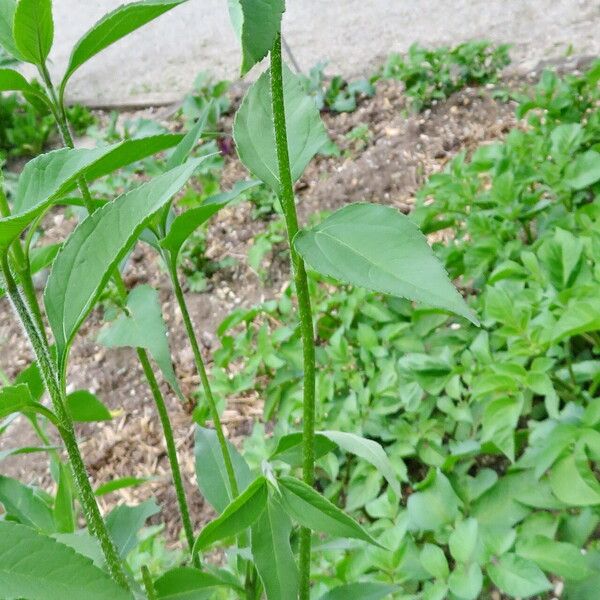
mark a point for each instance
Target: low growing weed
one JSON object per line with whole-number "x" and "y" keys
{"x": 431, "y": 75}
{"x": 414, "y": 454}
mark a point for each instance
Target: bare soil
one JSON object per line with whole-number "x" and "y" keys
{"x": 401, "y": 152}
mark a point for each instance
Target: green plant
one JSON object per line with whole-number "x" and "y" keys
{"x": 493, "y": 432}
{"x": 336, "y": 94}
{"x": 433, "y": 75}
{"x": 277, "y": 132}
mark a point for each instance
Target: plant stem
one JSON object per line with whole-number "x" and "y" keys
{"x": 288, "y": 205}
{"x": 61, "y": 118}
{"x": 201, "y": 368}
{"x": 189, "y": 327}
{"x": 171, "y": 450}
{"x": 22, "y": 266}
{"x": 66, "y": 430}
{"x": 148, "y": 584}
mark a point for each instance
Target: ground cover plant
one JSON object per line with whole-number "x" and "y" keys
{"x": 432, "y": 75}
{"x": 258, "y": 509}
{"x": 413, "y": 455}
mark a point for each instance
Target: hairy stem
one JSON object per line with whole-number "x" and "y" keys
{"x": 189, "y": 327}
{"x": 22, "y": 266}
{"x": 60, "y": 115}
{"x": 66, "y": 430}
{"x": 288, "y": 205}
{"x": 171, "y": 450}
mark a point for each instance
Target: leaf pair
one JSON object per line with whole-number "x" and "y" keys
{"x": 86, "y": 261}
{"x": 49, "y": 177}
{"x": 362, "y": 244}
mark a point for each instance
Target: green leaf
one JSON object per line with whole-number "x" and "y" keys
{"x": 48, "y": 177}
{"x": 580, "y": 316}
{"x": 583, "y": 171}
{"x": 186, "y": 223}
{"x": 22, "y": 503}
{"x": 434, "y": 561}
{"x": 434, "y": 505}
{"x": 14, "y": 398}
{"x": 210, "y": 469}
{"x": 237, "y": 517}
{"x": 272, "y": 553}
{"x": 289, "y": 448}
{"x": 255, "y": 136}
{"x": 188, "y": 583}
{"x": 124, "y": 522}
{"x": 517, "y": 576}
{"x": 85, "y": 407}
{"x": 182, "y": 151}
{"x": 257, "y": 24}
{"x": 368, "y": 450}
{"x": 559, "y": 558}
{"x": 37, "y": 567}
{"x": 573, "y": 482}
{"x": 466, "y": 581}
{"x": 499, "y": 423}
{"x": 119, "y": 484}
{"x": 95, "y": 248}
{"x": 42, "y": 257}
{"x": 143, "y": 327}
{"x": 13, "y": 81}
{"x": 114, "y": 26}
{"x": 33, "y": 30}
{"x": 7, "y": 17}
{"x": 360, "y": 591}
{"x": 381, "y": 249}
{"x": 463, "y": 540}
{"x": 17, "y": 398}
{"x": 310, "y": 509}
{"x": 64, "y": 513}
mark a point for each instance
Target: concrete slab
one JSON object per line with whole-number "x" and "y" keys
{"x": 160, "y": 61}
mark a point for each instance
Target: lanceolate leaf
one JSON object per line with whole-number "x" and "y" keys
{"x": 13, "y": 81}
{"x": 368, "y": 450}
{"x": 257, "y": 24}
{"x": 49, "y": 176}
{"x": 33, "y": 30}
{"x": 7, "y": 16}
{"x": 64, "y": 513}
{"x": 273, "y": 554}
{"x": 17, "y": 398}
{"x": 310, "y": 509}
{"x": 85, "y": 407}
{"x": 289, "y": 448}
{"x": 22, "y": 503}
{"x": 187, "y": 583}
{"x": 185, "y": 224}
{"x": 210, "y": 469}
{"x": 237, "y": 517}
{"x": 37, "y": 567}
{"x": 255, "y": 137}
{"x": 182, "y": 151}
{"x": 87, "y": 259}
{"x": 360, "y": 591}
{"x": 379, "y": 248}
{"x": 114, "y": 26}
{"x": 124, "y": 522}
{"x": 143, "y": 327}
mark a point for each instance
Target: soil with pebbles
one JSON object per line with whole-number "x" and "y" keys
{"x": 399, "y": 153}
